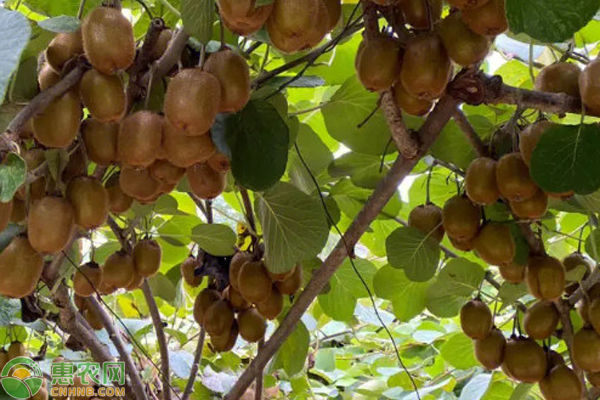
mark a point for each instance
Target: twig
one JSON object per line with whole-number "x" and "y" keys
{"x": 248, "y": 206}
{"x": 258, "y": 390}
{"x": 464, "y": 124}
{"x": 157, "y": 25}
{"x": 81, "y": 8}
{"x": 199, "y": 204}
{"x": 586, "y": 285}
{"x": 194, "y": 370}
{"x": 405, "y": 140}
{"x": 119, "y": 233}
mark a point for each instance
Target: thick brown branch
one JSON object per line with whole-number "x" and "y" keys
{"x": 157, "y": 25}
{"x": 463, "y": 123}
{"x": 194, "y": 370}
{"x": 403, "y": 138}
{"x": 586, "y": 285}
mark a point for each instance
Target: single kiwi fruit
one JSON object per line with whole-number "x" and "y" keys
{"x": 147, "y": 256}
{"x": 480, "y": 181}
{"x": 219, "y": 162}
{"x": 50, "y": 224}
{"x": 89, "y": 200}
{"x": 530, "y": 137}
{"x": 292, "y": 18}
{"x": 138, "y": 184}
{"x": 16, "y": 349}
{"x": 272, "y": 306}
{"x": 409, "y": 103}
{"x": 489, "y": 351}
{"x": 286, "y": 43}
{"x": 243, "y": 17}
{"x": 545, "y": 277}
{"x": 540, "y": 320}
{"x": 192, "y": 101}
{"x": 119, "y": 270}
{"x": 487, "y": 20}
{"x": 318, "y": 29}
{"x": 585, "y": 350}
{"x": 583, "y": 306}
{"x": 576, "y": 260}
{"x": 77, "y": 383}
{"x": 464, "y": 46}
{"x": 235, "y": 266}
{"x": 103, "y": 95}
{"x": 252, "y": 325}
{"x": 281, "y": 276}
{"x": 18, "y": 212}
{"x": 188, "y": 269}
{"x": 334, "y": 13}
{"x": 466, "y": 4}
{"x": 118, "y": 201}
{"x": 81, "y": 302}
{"x": 589, "y": 86}
{"x": 6, "y": 210}
{"x": 533, "y": 208}
{"x": 476, "y": 319}
{"x": 561, "y": 383}
{"x": 594, "y": 314}
{"x": 93, "y": 319}
{"x": 236, "y": 299}
{"x": 525, "y": 360}
{"x": 184, "y": 151}
{"x": 378, "y": 63}
{"x": 592, "y": 377}
{"x": 292, "y": 284}
{"x": 514, "y": 180}
{"x": 233, "y": 74}
{"x": 87, "y": 279}
{"x": 3, "y": 358}
{"x": 421, "y": 14}
{"x": 100, "y": 141}
{"x": 62, "y": 48}
{"x": 428, "y": 219}
{"x": 426, "y": 66}
{"x": 106, "y": 289}
{"x": 162, "y": 43}
{"x": 512, "y": 272}
{"x": 140, "y": 135}
{"x": 20, "y": 267}
{"x": 461, "y": 218}
{"x": 462, "y": 245}
{"x": 218, "y": 318}
{"x": 204, "y": 300}
{"x": 47, "y": 77}
{"x": 58, "y": 124}
{"x": 225, "y": 342}
{"x": 560, "y": 77}
{"x": 253, "y": 282}
{"x": 108, "y": 40}
{"x": 136, "y": 283}
{"x": 164, "y": 171}
{"x": 205, "y": 182}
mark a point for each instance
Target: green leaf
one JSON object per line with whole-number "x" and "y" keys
{"x": 592, "y": 244}
{"x": 292, "y": 354}
{"x": 162, "y": 287}
{"x": 521, "y": 392}
{"x": 510, "y": 292}
{"x": 257, "y": 139}
{"x": 440, "y": 189}
{"x": 14, "y": 30}
{"x": 408, "y": 298}
{"x": 55, "y": 8}
{"x": 566, "y": 159}
{"x": 215, "y": 239}
{"x": 351, "y": 200}
{"x": 316, "y": 155}
{"x": 458, "y": 351}
{"x": 12, "y": 175}
{"x": 453, "y": 147}
{"x": 500, "y": 390}
{"x": 57, "y": 161}
{"x": 413, "y": 251}
{"x": 293, "y": 224}
{"x": 364, "y": 170}
{"x": 476, "y": 388}
{"x": 60, "y": 24}
{"x": 198, "y": 17}
{"x": 558, "y": 21}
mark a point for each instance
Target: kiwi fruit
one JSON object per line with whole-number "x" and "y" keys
{"x": 545, "y": 277}
{"x": 62, "y": 48}
{"x": 47, "y": 77}
{"x": 293, "y": 19}
{"x": 3, "y": 358}
{"x": 225, "y": 342}
{"x": 138, "y": 184}
{"x": 20, "y": 267}
{"x": 105, "y": 288}
{"x": 272, "y": 306}
{"x": 280, "y": 277}
{"x": 6, "y": 210}
{"x": 426, "y": 67}
{"x": 41, "y": 394}
{"x": 378, "y": 63}
{"x": 514, "y": 180}
{"x": 540, "y": 320}
{"x": 461, "y": 218}
{"x": 219, "y": 162}
{"x": 530, "y": 137}
{"x": 462, "y": 245}
{"x": 235, "y": 266}
{"x": 253, "y": 282}
{"x": 162, "y": 44}
{"x": 140, "y": 135}
{"x": 575, "y": 260}
{"x": 585, "y": 350}
{"x": 108, "y": 40}
{"x": 428, "y": 219}
{"x": 118, "y": 201}
{"x": 204, "y": 300}
{"x": 589, "y": 86}
{"x": 185, "y": 151}
{"x": 489, "y": 351}
{"x": 594, "y": 314}
{"x": 18, "y": 212}
{"x": 561, "y": 383}
{"x": 286, "y": 43}
{"x": 512, "y": 272}
{"x": 94, "y": 321}
{"x": 476, "y": 319}
{"x": 188, "y": 269}
{"x": 58, "y": 124}
{"x": 103, "y": 95}
{"x": 100, "y": 141}
{"x": 467, "y": 4}
{"x": 147, "y": 256}
{"x": 164, "y": 171}
{"x": 488, "y": 19}
{"x": 560, "y": 77}
{"x": 252, "y": 325}
{"x": 89, "y": 200}
{"x": 584, "y": 305}
{"x": 243, "y": 17}
{"x": 532, "y": 208}
{"x": 235, "y": 298}
{"x": 525, "y": 360}
{"x": 409, "y": 103}
{"x": 50, "y": 224}
{"x": 86, "y": 279}
{"x": 192, "y": 101}
{"x": 233, "y": 74}
{"x": 81, "y": 302}
{"x": 119, "y": 270}
{"x": 218, "y": 318}
{"x": 205, "y": 182}
{"x": 418, "y": 13}
{"x": 334, "y": 13}
{"x": 292, "y": 284}
{"x": 480, "y": 181}
{"x": 16, "y": 349}
{"x": 464, "y": 46}
{"x": 79, "y": 386}
{"x": 592, "y": 377}
{"x": 136, "y": 283}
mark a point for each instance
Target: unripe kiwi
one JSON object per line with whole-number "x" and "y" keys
{"x": 204, "y": 300}
{"x": 466, "y": 4}
{"x": 218, "y": 318}
{"x": 428, "y": 219}
{"x": 586, "y": 350}
{"x": 219, "y": 162}
{"x": 488, "y": 19}
{"x": 184, "y": 151}
{"x": 480, "y": 181}
{"x": 525, "y": 360}
{"x": 540, "y": 320}
{"x": 233, "y": 74}
{"x": 140, "y": 135}
{"x": 108, "y": 40}
{"x": 138, "y": 184}
{"x": 103, "y": 95}
{"x": 5, "y": 214}
{"x": 589, "y": 86}
{"x": 147, "y": 256}
{"x": 530, "y": 137}
{"x": 188, "y": 269}
{"x": 16, "y": 349}
{"x": 512, "y": 272}
{"x": 20, "y": 267}
{"x": 162, "y": 44}
{"x": 47, "y": 77}
{"x": 378, "y": 63}
{"x": 545, "y": 277}
{"x": 235, "y": 266}
{"x": 118, "y": 202}
{"x": 421, "y": 14}
{"x": 100, "y": 141}
{"x": 50, "y": 224}
{"x": 164, "y": 171}
{"x": 461, "y": 218}
{"x": 291, "y": 285}
{"x": 192, "y": 101}
{"x": 489, "y": 351}
{"x": 58, "y": 124}
{"x": 533, "y": 208}
{"x": 93, "y": 319}
{"x": 205, "y": 182}
{"x": 243, "y": 17}
{"x": 561, "y": 383}
{"x": 476, "y": 319}
{"x": 464, "y": 46}
{"x": 272, "y": 306}
{"x": 514, "y": 180}
{"x": 252, "y": 325}
{"x": 119, "y": 270}
{"x": 87, "y": 279}
{"x": 89, "y": 200}
{"x": 62, "y": 48}
{"x": 253, "y": 282}
{"x": 409, "y": 103}
{"x": 225, "y": 342}
{"x": 236, "y": 300}
{"x": 560, "y": 77}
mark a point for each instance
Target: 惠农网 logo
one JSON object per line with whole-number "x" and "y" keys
{"x": 21, "y": 378}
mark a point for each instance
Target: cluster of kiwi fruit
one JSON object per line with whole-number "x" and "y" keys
{"x": 292, "y": 26}
{"x": 419, "y": 69}
{"x": 252, "y": 296}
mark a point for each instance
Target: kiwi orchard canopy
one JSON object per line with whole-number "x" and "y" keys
{"x": 208, "y": 194}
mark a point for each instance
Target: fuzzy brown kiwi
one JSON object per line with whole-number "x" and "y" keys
{"x": 592, "y": 377}
{"x": 58, "y": 124}
{"x": 136, "y": 283}
{"x": 541, "y": 320}
{"x": 512, "y": 272}
{"x": 225, "y": 342}
{"x": 108, "y": 40}
{"x": 62, "y": 48}
{"x": 204, "y": 300}
{"x": 47, "y": 77}
{"x": 100, "y": 140}
{"x": 530, "y": 137}
{"x": 462, "y": 245}
{"x": 560, "y": 77}
{"x": 80, "y": 302}
{"x": 147, "y": 256}
{"x": 514, "y": 180}
{"x": 583, "y": 306}
{"x": 292, "y": 18}
{"x": 235, "y": 266}
{"x": 378, "y": 63}
{"x": 283, "y": 42}
{"x": 219, "y": 162}
{"x": 545, "y": 277}
{"x": 89, "y": 200}
{"x": 533, "y": 208}
{"x": 464, "y": 46}
{"x": 428, "y": 219}
{"x": 291, "y": 285}
{"x": 50, "y": 224}
{"x": 461, "y": 218}
{"x": 525, "y": 360}
{"x": 280, "y": 277}
{"x": 480, "y": 181}
{"x": 476, "y": 319}
{"x": 334, "y": 13}
{"x": 243, "y": 17}
{"x": 164, "y": 38}
{"x": 6, "y": 210}
{"x": 106, "y": 289}
{"x": 184, "y": 151}
{"x": 576, "y": 260}
{"x": 87, "y": 279}
{"x": 205, "y": 182}
{"x": 164, "y": 171}
{"x": 589, "y": 86}
{"x": 594, "y": 314}
{"x": 586, "y": 350}
{"x": 561, "y": 383}
{"x": 16, "y": 349}
{"x": 18, "y": 212}
{"x": 103, "y": 95}
{"x": 236, "y": 299}
{"x": 466, "y": 4}
{"x": 233, "y": 74}
{"x": 20, "y": 267}
{"x": 272, "y": 306}
{"x": 489, "y": 351}
{"x": 487, "y": 20}
{"x": 138, "y": 184}
{"x": 421, "y": 14}
{"x": 3, "y": 358}
{"x": 218, "y": 318}
{"x": 253, "y": 282}
{"x": 119, "y": 270}
{"x": 188, "y": 269}
{"x": 252, "y": 325}
{"x": 409, "y": 103}
{"x": 118, "y": 201}
{"x": 140, "y": 136}
{"x": 93, "y": 319}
